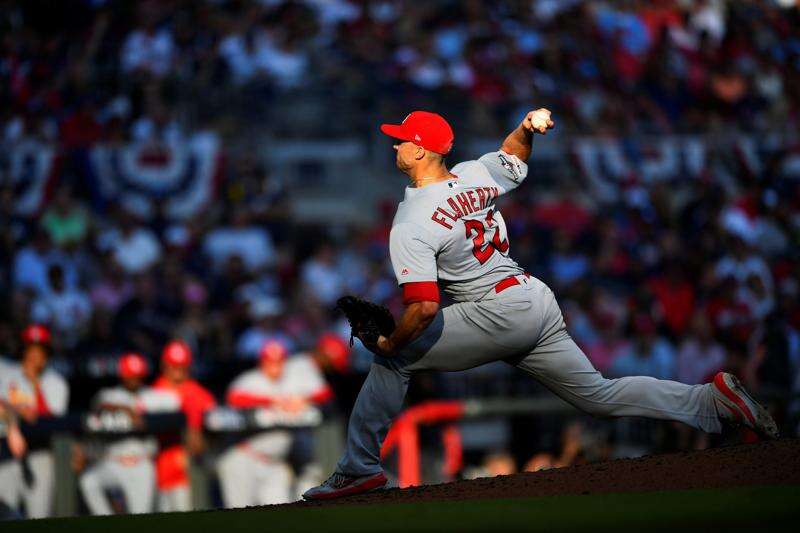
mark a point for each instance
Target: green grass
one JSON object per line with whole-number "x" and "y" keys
{"x": 751, "y": 507}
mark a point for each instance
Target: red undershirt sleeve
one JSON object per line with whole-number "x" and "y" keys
{"x": 420, "y": 291}
{"x": 244, "y": 400}
{"x": 323, "y": 395}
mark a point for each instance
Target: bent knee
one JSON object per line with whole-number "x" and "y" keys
{"x": 89, "y": 481}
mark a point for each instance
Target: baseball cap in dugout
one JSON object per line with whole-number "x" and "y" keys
{"x": 132, "y": 365}
{"x": 428, "y": 130}
{"x": 177, "y": 353}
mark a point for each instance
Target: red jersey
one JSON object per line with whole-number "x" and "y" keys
{"x": 172, "y": 460}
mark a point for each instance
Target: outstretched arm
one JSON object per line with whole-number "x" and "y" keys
{"x": 519, "y": 142}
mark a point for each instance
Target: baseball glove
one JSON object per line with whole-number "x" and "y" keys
{"x": 368, "y": 320}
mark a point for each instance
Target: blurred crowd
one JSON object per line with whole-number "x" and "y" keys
{"x": 109, "y": 70}
{"x": 673, "y": 281}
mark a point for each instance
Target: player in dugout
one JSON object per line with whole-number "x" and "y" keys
{"x": 255, "y": 471}
{"x": 172, "y": 461}
{"x": 30, "y": 391}
{"x": 126, "y": 462}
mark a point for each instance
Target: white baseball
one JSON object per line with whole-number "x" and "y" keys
{"x": 539, "y": 119}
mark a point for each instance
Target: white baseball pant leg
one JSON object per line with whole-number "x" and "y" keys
{"x": 11, "y": 483}
{"x": 274, "y": 482}
{"x": 92, "y": 483}
{"x": 137, "y": 482}
{"x": 38, "y": 496}
{"x": 175, "y": 499}
{"x": 237, "y": 478}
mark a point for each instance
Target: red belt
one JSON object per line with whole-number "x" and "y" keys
{"x": 128, "y": 460}
{"x": 510, "y": 281}
{"x": 255, "y": 454}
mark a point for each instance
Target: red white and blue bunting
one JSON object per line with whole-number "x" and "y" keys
{"x": 184, "y": 176}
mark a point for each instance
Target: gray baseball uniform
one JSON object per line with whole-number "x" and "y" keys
{"x": 48, "y": 398}
{"x": 126, "y": 463}
{"x": 451, "y": 232}
{"x": 255, "y": 471}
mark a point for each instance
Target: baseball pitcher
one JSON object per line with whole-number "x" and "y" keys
{"x": 449, "y": 234}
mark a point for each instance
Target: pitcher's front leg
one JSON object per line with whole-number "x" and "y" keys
{"x": 379, "y": 402}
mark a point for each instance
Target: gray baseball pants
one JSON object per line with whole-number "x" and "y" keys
{"x": 175, "y": 499}
{"x": 38, "y": 495}
{"x": 137, "y": 482}
{"x": 246, "y": 480}
{"x": 523, "y": 326}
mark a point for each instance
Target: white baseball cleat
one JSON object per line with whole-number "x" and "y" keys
{"x": 735, "y": 405}
{"x": 339, "y": 485}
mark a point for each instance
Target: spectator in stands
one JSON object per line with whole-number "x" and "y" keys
{"x": 143, "y": 322}
{"x": 321, "y": 277}
{"x": 67, "y": 311}
{"x": 172, "y": 461}
{"x": 240, "y": 50}
{"x": 255, "y": 472}
{"x": 700, "y": 356}
{"x": 33, "y": 392}
{"x": 567, "y": 265}
{"x": 32, "y": 262}
{"x": 66, "y": 222}
{"x": 675, "y": 297}
{"x": 111, "y": 289}
{"x": 134, "y": 247}
{"x": 148, "y": 49}
{"x": 240, "y": 238}
{"x": 608, "y": 344}
{"x": 646, "y": 355}
{"x": 742, "y": 262}
{"x": 265, "y": 313}
{"x": 196, "y": 326}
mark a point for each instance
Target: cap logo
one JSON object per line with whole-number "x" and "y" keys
{"x": 417, "y": 137}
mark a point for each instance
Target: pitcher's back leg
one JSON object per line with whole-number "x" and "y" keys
{"x": 560, "y": 365}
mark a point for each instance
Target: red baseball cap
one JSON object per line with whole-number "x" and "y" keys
{"x": 132, "y": 365}
{"x": 36, "y": 334}
{"x": 336, "y": 349}
{"x": 425, "y": 129}
{"x": 177, "y": 353}
{"x": 272, "y": 351}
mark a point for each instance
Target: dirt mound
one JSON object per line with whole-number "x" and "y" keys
{"x": 765, "y": 463}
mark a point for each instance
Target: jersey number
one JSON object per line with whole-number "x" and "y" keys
{"x": 481, "y": 249}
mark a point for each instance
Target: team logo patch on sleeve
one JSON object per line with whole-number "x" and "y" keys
{"x": 516, "y": 172}
{"x": 404, "y": 272}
